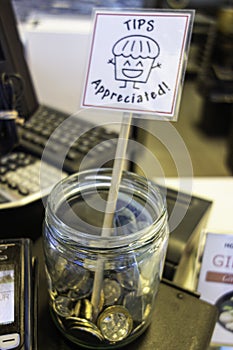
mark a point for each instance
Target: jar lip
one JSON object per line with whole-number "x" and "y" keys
{"x": 87, "y": 239}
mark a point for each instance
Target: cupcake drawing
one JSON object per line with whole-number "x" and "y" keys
{"x": 134, "y": 58}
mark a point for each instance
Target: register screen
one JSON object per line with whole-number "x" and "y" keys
{"x": 6, "y": 296}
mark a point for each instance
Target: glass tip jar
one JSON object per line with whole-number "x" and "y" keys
{"x": 102, "y": 289}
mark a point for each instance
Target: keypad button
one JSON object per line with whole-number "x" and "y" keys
{"x": 3, "y": 257}
{"x": 12, "y": 184}
{"x": 3, "y": 170}
{"x": 3, "y": 179}
{"x": 12, "y": 166}
{"x": 23, "y": 191}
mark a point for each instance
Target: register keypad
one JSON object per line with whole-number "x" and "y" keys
{"x": 20, "y": 176}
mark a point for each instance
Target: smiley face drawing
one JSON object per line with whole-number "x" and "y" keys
{"x": 134, "y": 58}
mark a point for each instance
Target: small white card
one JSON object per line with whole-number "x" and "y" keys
{"x": 137, "y": 61}
{"x": 216, "y": 282}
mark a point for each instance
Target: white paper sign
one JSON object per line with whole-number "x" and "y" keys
{"x": 137, "y": 61}
{"x": 216, "y": 283}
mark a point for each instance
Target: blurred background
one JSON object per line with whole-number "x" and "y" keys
{"x": 205, "y": 118}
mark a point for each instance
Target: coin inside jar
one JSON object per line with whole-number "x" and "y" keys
{"x": 61, "y": 306}
{"x": 115, "y": 323}
{"x": 112, "y": 291}
{"x": 83, "y": 330}
{"x": 102, "y": 288}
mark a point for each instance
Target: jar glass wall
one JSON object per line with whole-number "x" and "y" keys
{"x": 102, "y": 286}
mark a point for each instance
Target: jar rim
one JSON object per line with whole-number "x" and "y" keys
{"x": 67, "y": 233}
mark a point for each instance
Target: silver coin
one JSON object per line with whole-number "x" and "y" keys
{"x": 72, "y": 320}
{"x": 83, "y": 329}
{"x": 86, "y": 334}
{"x": 62, "y": 306}
{"x": 75, "y": 277}
{"x": 76, "y": 309}
{"x": 112, "y": 291}
{"x": 148, "y": 287}
{"x": 129, "y": 277}
{"x": 81, "y": 288}
{"x": 115, "y": 323}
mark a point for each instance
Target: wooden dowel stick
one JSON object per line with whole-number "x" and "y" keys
{"x": 111, "y": 205}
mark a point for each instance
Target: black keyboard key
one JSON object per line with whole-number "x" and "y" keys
{"x": 3, "y": 170}
{"x": 28, "y": 136}
{"x": 12, "y": 166}
{"x": 3, "y": 179}
{"x": 75, "y": 137}
{"x": 12, "y": 184}
{"x": 23, "y": 191}
{"x": 12, "y": 157}
{"x": 71, "y": 155}
{"x": 46, "y": 133}
{"x": 26, "y": 161}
